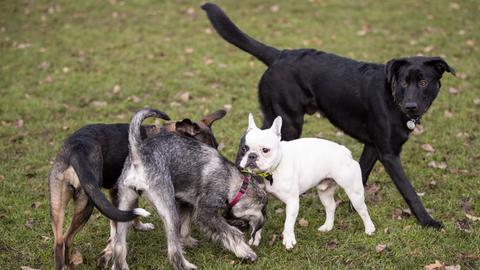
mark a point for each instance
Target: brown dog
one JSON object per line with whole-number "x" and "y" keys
{"x": 92, "y": 158}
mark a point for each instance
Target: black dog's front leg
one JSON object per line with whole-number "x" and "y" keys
{"x": 367, "y": 161}
{"x": 394, "y": 168}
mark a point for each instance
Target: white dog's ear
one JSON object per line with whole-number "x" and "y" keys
{"x": 251, "y": 122}
{"x": 277, "y": 126}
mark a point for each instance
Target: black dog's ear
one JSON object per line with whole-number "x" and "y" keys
{"x": 440, "y": 65}
{"x": 392, "y": 67}
{"x": 188, "y": 127}
{"x": 209, "y": 119}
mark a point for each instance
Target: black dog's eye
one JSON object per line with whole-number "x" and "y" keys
{"x": 423, "y": 83}
{"x": 403, "y": 83}
{"x": 265, "y": 150}
{"x": 244, "y": 149}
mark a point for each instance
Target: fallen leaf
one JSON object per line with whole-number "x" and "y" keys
{"x": 275, "y": 8}
{"x": 19, "y": 123}
{"x": 448, "y": 114}
{"x": 188, "y": 50}
{"x": 339, "y": 133}
{"x": 476, "y": 101}
{"x": 332, "y": 244}
{"x": 372, "y": 188}
{"x": 418, "y": 130}
{"x": 428, "y": 147}
{"x": 43, "y": 66}
{"x": 343, "y": 225}
{"x": 272, "y": 240}
{"x": 76, "y": 258}
{"x": 28, "y": 268}
{"x": 227, "y": 107}
{"x": 134, "y": 98}
{"x": 29, "y": 223}
{"x": 453, "y": 91}
{"x": 386, "y": 230}
{"x": 99, "y": 103}
{"x": 2, "y": 178}
{"x": 279, "y": 210}
{"x": 440, "y": 165}
{"x": 116, "y": 89}
{"x": 470, "y": 43}
{"x": 65, "y": 69}
{"x": 184, "y": 97}
{"x": 22, "y": 46}
{"x": 380, "y": 247}
{"x": 432, "y": 184}
{"x": 207, "y": 61}
{"x": 428, "y": 49}
{"x": 467, "y": 204}
{"x": 400, "y": 214}
{"x": 35, "y": 205}
{"x": 303, "y": 222}
{"x": 452, "y": 267}
{"x": 454, "y": 5}
{"x": 208, "y": 31}
{"x": 433, "y": 266}
{"x": 473, "y": 218}
{"x": 45, "y": 239}
{"x": 190, "y": 11}
{"x": 463, "y": 225}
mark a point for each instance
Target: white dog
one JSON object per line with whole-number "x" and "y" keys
{"x": 293, "y": 167}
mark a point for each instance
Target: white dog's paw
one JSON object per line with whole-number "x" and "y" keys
{"x": 370, "y": 230}
{"x": 289, "y": 240}
{"x": 144, "y": 226}
{"x": 325, "y": 228}
{"x": 255, "y": 242}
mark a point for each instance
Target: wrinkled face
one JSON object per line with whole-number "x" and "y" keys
{"x": 415, "y": 82}
{"x": 259, "y": 149}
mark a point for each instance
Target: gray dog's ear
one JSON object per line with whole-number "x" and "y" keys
{"x": 277, "y": 126}
{"x": 440, "y": 65}
{"x": 209, "y": 119}
{"x": 392, "y": 67}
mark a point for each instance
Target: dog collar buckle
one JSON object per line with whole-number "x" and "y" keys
{"x": 240, "y": 193}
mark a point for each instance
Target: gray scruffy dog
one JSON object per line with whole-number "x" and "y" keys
{"x": 170, "y": 169}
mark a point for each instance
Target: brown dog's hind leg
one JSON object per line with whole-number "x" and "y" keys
{"x": 60, "y": 194}
{"x": 82, "y": 211}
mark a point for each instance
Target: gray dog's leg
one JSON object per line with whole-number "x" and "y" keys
{"x": 217, "y": 228}
{"x": 186, "y": 213}
{"x": 164, "y": 201}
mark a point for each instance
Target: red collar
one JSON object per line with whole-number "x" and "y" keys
{"x": 240, "y": 193}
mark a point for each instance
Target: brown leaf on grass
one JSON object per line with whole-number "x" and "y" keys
{"x": 434, "y": 266}
{"x": 470, "y": 43}
{"x": 43, "y": 66}
{"x": 116, "y": 89}
{"x": 380, "y": 248}
{"x": 453, "y": 90}
{"x": 279, "y": 210}
{"x": 19, "y": 123}
{"x": 76, "y": 259}
{"x": 184, "y": 97}
{"x": 272, "y": 240}
{"x": 35, "y": 205}
{"x": 135, "y": 99}
{"x": 399, "y": 214}
{"x": 454, "y": 5}
{"x": 386, "y": 230}
{"x": 432, "y": 184}
{"x": 99, "y": 104}
{"x": 275, "y": 8}
{"x": 372, "y": 188}
{"x": 227, "y": 107}
{"x": 22, "y": 46}
{"x": 467, "y": 204}
{"x": 28, "y": 268}
{"x": 207, "y": 61}
{"x": 452, "y": 267}
{"x": 332, "y": 244}
{"x": 440, "y": 165}
{"x": 29, "y": 223}
{"x": 418, "y": 130}
{"x": 472, "y": 217}
{"x": 45, "y": 239}
{"x": 463, "y": 225}
{"x": 2, "y": 178}
{"x": 343, "y": 225}
{"x": 208, "y": 31}
{"x": 476, "y": 101}
{"x": 303, "y": 222}
{"x": 428, "y": 49}
{"x": 428, "y": 147}
{"x": 448, "y": 114}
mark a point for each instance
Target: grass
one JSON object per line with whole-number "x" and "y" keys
{"x": 156, "y": 49}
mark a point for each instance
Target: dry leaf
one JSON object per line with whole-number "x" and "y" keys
{"x": 332, "y": 244}
{"x": 207, "y": 61}
{"x": 448, "y": 114}
{"x": 463, "y": 225}
{"x": 134, "y": 98}
{"x": 184, "y": 97}
{"x": 428, "y": 49}
{"x": 380, "y": 247}
{"x": 433, "y": 266}
{"x": 227, "y": 107}
{"x": 372, "y": 188}
{"x": 43, "y": 66}
{"x": 432, "y": 184}
{"x": 279, "y": 210}
{"x": 29, "y": 223}
{"x": 188, "y": 50}
{"x": 303, "y": 222}
{"x": 208, "y": 31}
{"x": 275, "y": 8}
{"x": 470, "y": 43}
{"x": 476, "y": 101}
{"x": 453, "y": 91}
{"x": 339, "y": 133}
{"x": 76, "y": 258}
{"x": 99, "y": 103}
{"x": 473, "y": 218}
{"x": 19, "y": 123}
{"x": 272, "y": 240}
{"x": 27, "y": 268}
{"x": 452, "y": 267}
{"x": 454, "y": 5}
{"x": 35, "y": 205}
{"x": 418, "y": 130}
{"x": 440, "y": 165}
{"x": 428, "y": 147}
{"x": 116, "y": 89}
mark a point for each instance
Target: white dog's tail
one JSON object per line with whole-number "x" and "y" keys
{"x": 134, "y": 134}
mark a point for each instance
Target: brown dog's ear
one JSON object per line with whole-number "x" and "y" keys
{"x": 440, "y": 65}
{"x": 186, "y": 126}
{"x": 392, "y": 67}
{"x": 209, "y": 119}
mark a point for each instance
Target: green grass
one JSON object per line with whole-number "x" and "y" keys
{"x": 91, "y": 46}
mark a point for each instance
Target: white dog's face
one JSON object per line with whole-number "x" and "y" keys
{"x": 259, "y": 148}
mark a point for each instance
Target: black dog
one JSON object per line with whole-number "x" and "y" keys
{"x": 376, "y": 104}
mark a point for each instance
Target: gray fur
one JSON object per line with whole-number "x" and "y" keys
{"x": 171, "y": 170}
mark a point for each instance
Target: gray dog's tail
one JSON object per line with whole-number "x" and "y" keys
{"x": 134, "y": 137}
{"x": 84, "y": 166}
{"x": 230, "y": 32}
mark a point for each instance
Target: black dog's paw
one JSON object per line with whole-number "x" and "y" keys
{"x": 432, "y": 224}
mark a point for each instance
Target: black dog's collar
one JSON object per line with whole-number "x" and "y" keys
{"x": 413, "y": 122}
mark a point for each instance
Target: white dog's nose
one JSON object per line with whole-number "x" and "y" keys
{"x": 252, "y": 156}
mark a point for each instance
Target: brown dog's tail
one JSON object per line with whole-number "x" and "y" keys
{"x": 134, "y": 137}
{"x": 230, "y": 32}
{"x": 81, "y": 162}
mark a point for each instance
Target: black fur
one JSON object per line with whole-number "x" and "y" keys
{"x": 368, "y": 101}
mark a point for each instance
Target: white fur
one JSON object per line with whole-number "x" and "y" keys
{"x": 141, "y": 212}
{"x": 304, "y": 164}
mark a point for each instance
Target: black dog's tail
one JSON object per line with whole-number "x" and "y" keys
{"x": 230, "y": 32}
{"x": 134, "y": 137}
{"x": 84, "y": 168}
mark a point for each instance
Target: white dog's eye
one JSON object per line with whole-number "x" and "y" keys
{"x": 265, "y": 150}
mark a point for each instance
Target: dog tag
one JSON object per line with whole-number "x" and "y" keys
{"x": 411, "y": 124}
